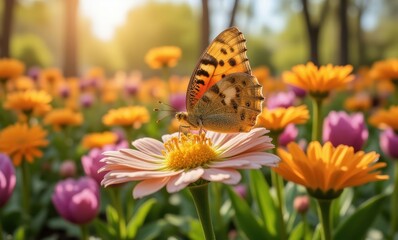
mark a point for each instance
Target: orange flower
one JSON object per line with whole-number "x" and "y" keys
{"x": 126, "y": 116}
{"x": 22, "y": 142}
{"x": 385, "y": 118}
{"x": 319, "y": 80}
{"x": 278, "y": 118}
{"x": 386, "y": 69}
{"x": 22, "y": 84}
{"x": 358, "y": 102}
{"x": 326, "y": 170}
{"x": 98, "y": 140}
{"x": 166, "y": 56}
{"x": 10, "y": 68}
{"x": 262, "y": 74}
{"x": 60, "y": 118}
{"x": 31, "y": 101}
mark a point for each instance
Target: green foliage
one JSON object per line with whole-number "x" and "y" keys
{"x": 32, "y": 50}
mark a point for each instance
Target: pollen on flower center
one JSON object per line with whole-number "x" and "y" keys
{"x": 188, "y": 151}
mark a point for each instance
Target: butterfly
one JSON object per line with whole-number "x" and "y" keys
{"x": 222, "y": 94}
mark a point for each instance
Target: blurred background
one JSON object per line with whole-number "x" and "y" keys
{"x": 76, "y": 35}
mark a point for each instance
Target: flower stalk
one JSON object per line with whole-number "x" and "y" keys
{"x": 117, "y": 203}
{"x": 317, "y": 118}
{"x": 324, "y": 207}
{"x": 26, "y": 193}
{"x": 84, "y": 231}
{"x": 394, "y": 203}
{"x": 201, "y": 200}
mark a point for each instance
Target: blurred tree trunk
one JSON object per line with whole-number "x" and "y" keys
{"x": 205, "y": 25}
{"x": 360, "y": 36}
{"x": 344, "y": 34}
{"x": 313, "y": 29}
{"x": 233, "y": 13}
{"x": 8, "y": 14}
{"x": 70, "y": 38}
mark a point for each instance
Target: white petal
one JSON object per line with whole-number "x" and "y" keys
{"x": 228, "y": 176}
{"x": 149, "y": 146}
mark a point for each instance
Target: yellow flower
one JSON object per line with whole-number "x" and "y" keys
{"x": 326, "y": 170}
{"x": 126, "y": 116}
{"x": 95, "y": 72}
{"x": 31, "y": 101}
{"x": 22, "y": 142}
{"x": 386, "y": 69}
{"x": 385, "y": 118}
{"x": 97, "y": 140}
{"x": 60, "y": 118}
{"x": 152, "y": 90}
{"x": 358, "y": 102}
{"x": 49, "y": 79}
{"x": 278, "y": 118}
{"x": 262, "y": 74}
{"x": 319, "y": 80}
{"x": 166, "y": 56}
{"x": 10, "y": 68}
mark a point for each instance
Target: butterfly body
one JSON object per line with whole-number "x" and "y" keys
{"x": 222, "y": 94}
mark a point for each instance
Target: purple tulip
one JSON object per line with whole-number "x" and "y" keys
{"x": 131, "y": 88}
{"x": 64, "y": 91}
{"x": 389, "y": 143}
{"x": 34, "y": 73}
{"x": 91, "y": 162}
{"x": 67, "y": 169}
{"x": 281, "y": 99}
{"x": 341, "y": 128}
{"x": 299, "y": 92}
{"x": 86, "y": 100}
{"x": 77, "y": 200}
{"x": 7, "y": 179}
{"x": 288, "y": 135}
{"x": 177, "y": 101}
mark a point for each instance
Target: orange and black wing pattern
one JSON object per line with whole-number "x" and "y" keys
{"x": 225, "y": 55}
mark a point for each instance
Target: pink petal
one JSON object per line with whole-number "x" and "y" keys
{"x": 190, "y": 176}
{"x": 227, "y": 176}
{"x": 229, "y": 164}
{"x": 149, "y": 146}
{"x": 172, "y": 187}
{"x": 262, "y": 158}
{"x": 149, "y": 186}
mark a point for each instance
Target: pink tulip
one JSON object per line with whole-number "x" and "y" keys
{"x": 7, "y": 179}
{"x": 389, "y": 143}
{"x": 91, "y": 162}
{"x": 288, "y": 135}
{"x": 341, "y": 128}
{"x": 77, "y": 200}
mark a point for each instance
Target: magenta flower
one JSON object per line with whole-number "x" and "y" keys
{"x": 288, "y": 135}
{"x": 177, "y": 162}
{"x": 67, "y": 169}
{"x": 7, "y": 179}
{"x": 299, "y": 92}
{"x": 91, "y": 162}
{"x": 389, "y": 143}
{"x": 281, "y": 99}
{"x": 341, "y": 128}
{"x": 86, "y": 100}
{"x": 77, "y": 200}
{"x": 177, "y": 101}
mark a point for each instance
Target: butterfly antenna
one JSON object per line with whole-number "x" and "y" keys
{"x": 162, "y": 118}
{"x": 168, "y": 105}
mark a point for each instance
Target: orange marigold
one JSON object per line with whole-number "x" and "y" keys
{"x": 31, "y": 101}
{"x": 22, "y": 142}
{"x": 126, "y": 116}
{"x": 10, "y": 68}
{"x": 60, "y": 118}
{"x": 97, "y": 140}
{"x": 166, "y": 56}
{"x": 278, "y": 118}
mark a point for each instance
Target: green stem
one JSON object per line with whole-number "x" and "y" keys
{"x": 201, "y": 199}
{"x": 305, "y": 224}
{"x": 277, "y": 183}
{"x": 324, "y": 207}
{"x": 117, "y": 203}
{"x": 394, "y": 203}
{"x": 219, "y": 229}
{"x": 84, "y": 231}
{"x": 26, "y": 179}
{"x": 316, "y": 119}
{"x": 1, "y": 225}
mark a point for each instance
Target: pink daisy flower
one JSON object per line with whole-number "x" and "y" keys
{"x": 179, "y": 161}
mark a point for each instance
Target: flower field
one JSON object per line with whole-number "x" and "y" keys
{"x": 232, "y": 152}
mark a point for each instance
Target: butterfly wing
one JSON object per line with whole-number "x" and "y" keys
{"x": 225, "y": 55}
{"x": 230, "y": 105}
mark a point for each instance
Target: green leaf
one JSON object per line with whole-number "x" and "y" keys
{"x": 356, "y": 226}
{"x": 260, "y": 190}
{"x": 138, "y": 219}
{"x": 104, "y": 230}
{"x": 151, "y": 230}
{"x": 112, "y": 216}
{"x": 19, "y": 234}
{"x": 301, "y": 232}
{"x": 247, "y": 222}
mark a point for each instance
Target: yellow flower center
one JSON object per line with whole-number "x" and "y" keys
{"x": 189, "y": 151}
